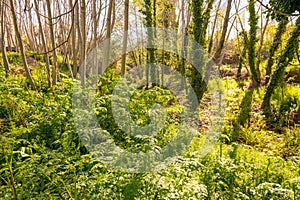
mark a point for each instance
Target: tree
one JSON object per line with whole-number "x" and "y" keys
{"x": 150, "y": 51}
{"x": 14, "y": 16}
{"x": 276, "y": 43}
{"x": 214, "y": 27}
{"x": 108, "y": 33}
{"x": 83, "y": 43}
{"x": 253, "y": 20}
{"x": 44, "y": 42}
{"x": 285, "y": 58}
{"x": 125, "y": 37}
{"x": 52, "y": 39}
{"x": 224, "y": 31}
{"x": 281, "y": 9}
{"x": 2, "y": 39}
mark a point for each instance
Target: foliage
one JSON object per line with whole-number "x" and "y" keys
{"x": 41, "y": 145}
{"x": 288, "y": 7}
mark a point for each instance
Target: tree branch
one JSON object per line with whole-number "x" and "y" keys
{"x": 276, "y": 11}
{"x": 59, "y": 16}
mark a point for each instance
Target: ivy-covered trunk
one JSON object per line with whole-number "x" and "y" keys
{"x": 284, "y": 60}
{"x": 150, "y": 49}
{"x": 253, "y": 20}
{"x": 276, "y": 42}
{"x": 197, "y": 79}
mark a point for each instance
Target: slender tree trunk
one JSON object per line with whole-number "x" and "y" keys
{"x": 224, "y": 31}
{"x": 73, "y": 35}
{"x": 44, "y": 42}
{"x": 95, "y": 28}
{"x": 184, "y": 44}
{"x": 125, "y": 37}
{"x": 3, "y": 47}
{"x": 150, "y": 37}
{"x": 263, "y": 31}
{"x": 52, "y": 37}
{"x": 83, "y": 46}
{"x": 33, "y": 38}
{"x": 278, "y": 74}
{"x": 206, "y": 20}
{"x": 79, "y": 34}
{"x": 210, "y": 45}
{"x": 108, "y": 34}
{"x": 28, "y": 74}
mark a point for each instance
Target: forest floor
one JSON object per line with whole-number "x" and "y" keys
{"x": 43, "y": 155}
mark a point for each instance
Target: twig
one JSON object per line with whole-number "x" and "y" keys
{"x": 297, "y": 53}
{"x": 12, "y": 179}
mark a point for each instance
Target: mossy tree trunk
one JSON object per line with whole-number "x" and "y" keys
{"x": 150, "y": 36}
{"x": 284, "y": 60}
{"x": 276, "y": 43}
{"x": 197, "y": 80}
{"x": 253, "y": 20}
{"x": 201, "y": 18}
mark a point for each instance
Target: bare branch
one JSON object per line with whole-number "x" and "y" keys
{"x": 59, "y": 16}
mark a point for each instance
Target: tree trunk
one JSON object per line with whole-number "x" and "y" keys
{"x": 108, "y": 35}
{"x": 210, "y": 45}
{"x": 224, "y": 31}
{"x": 125, "y": 37}
{"x": 284, "y": 60}
{"x": 95, "y": 28}
{"x": 150, "y": 51}
{"x": 52, "y": 37}
{"x": 3, "y": 47}
{"x": 197, "y": 80}
{"x": 83, "y": 44}
{"x": 252, "y": 42}
{"x": 276, "y": 43}
{"x": 28, "y": 74}
{"x": 262, "y": 35}
{"x": 44, "y": 42}
{"x": 206, "y": 20}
